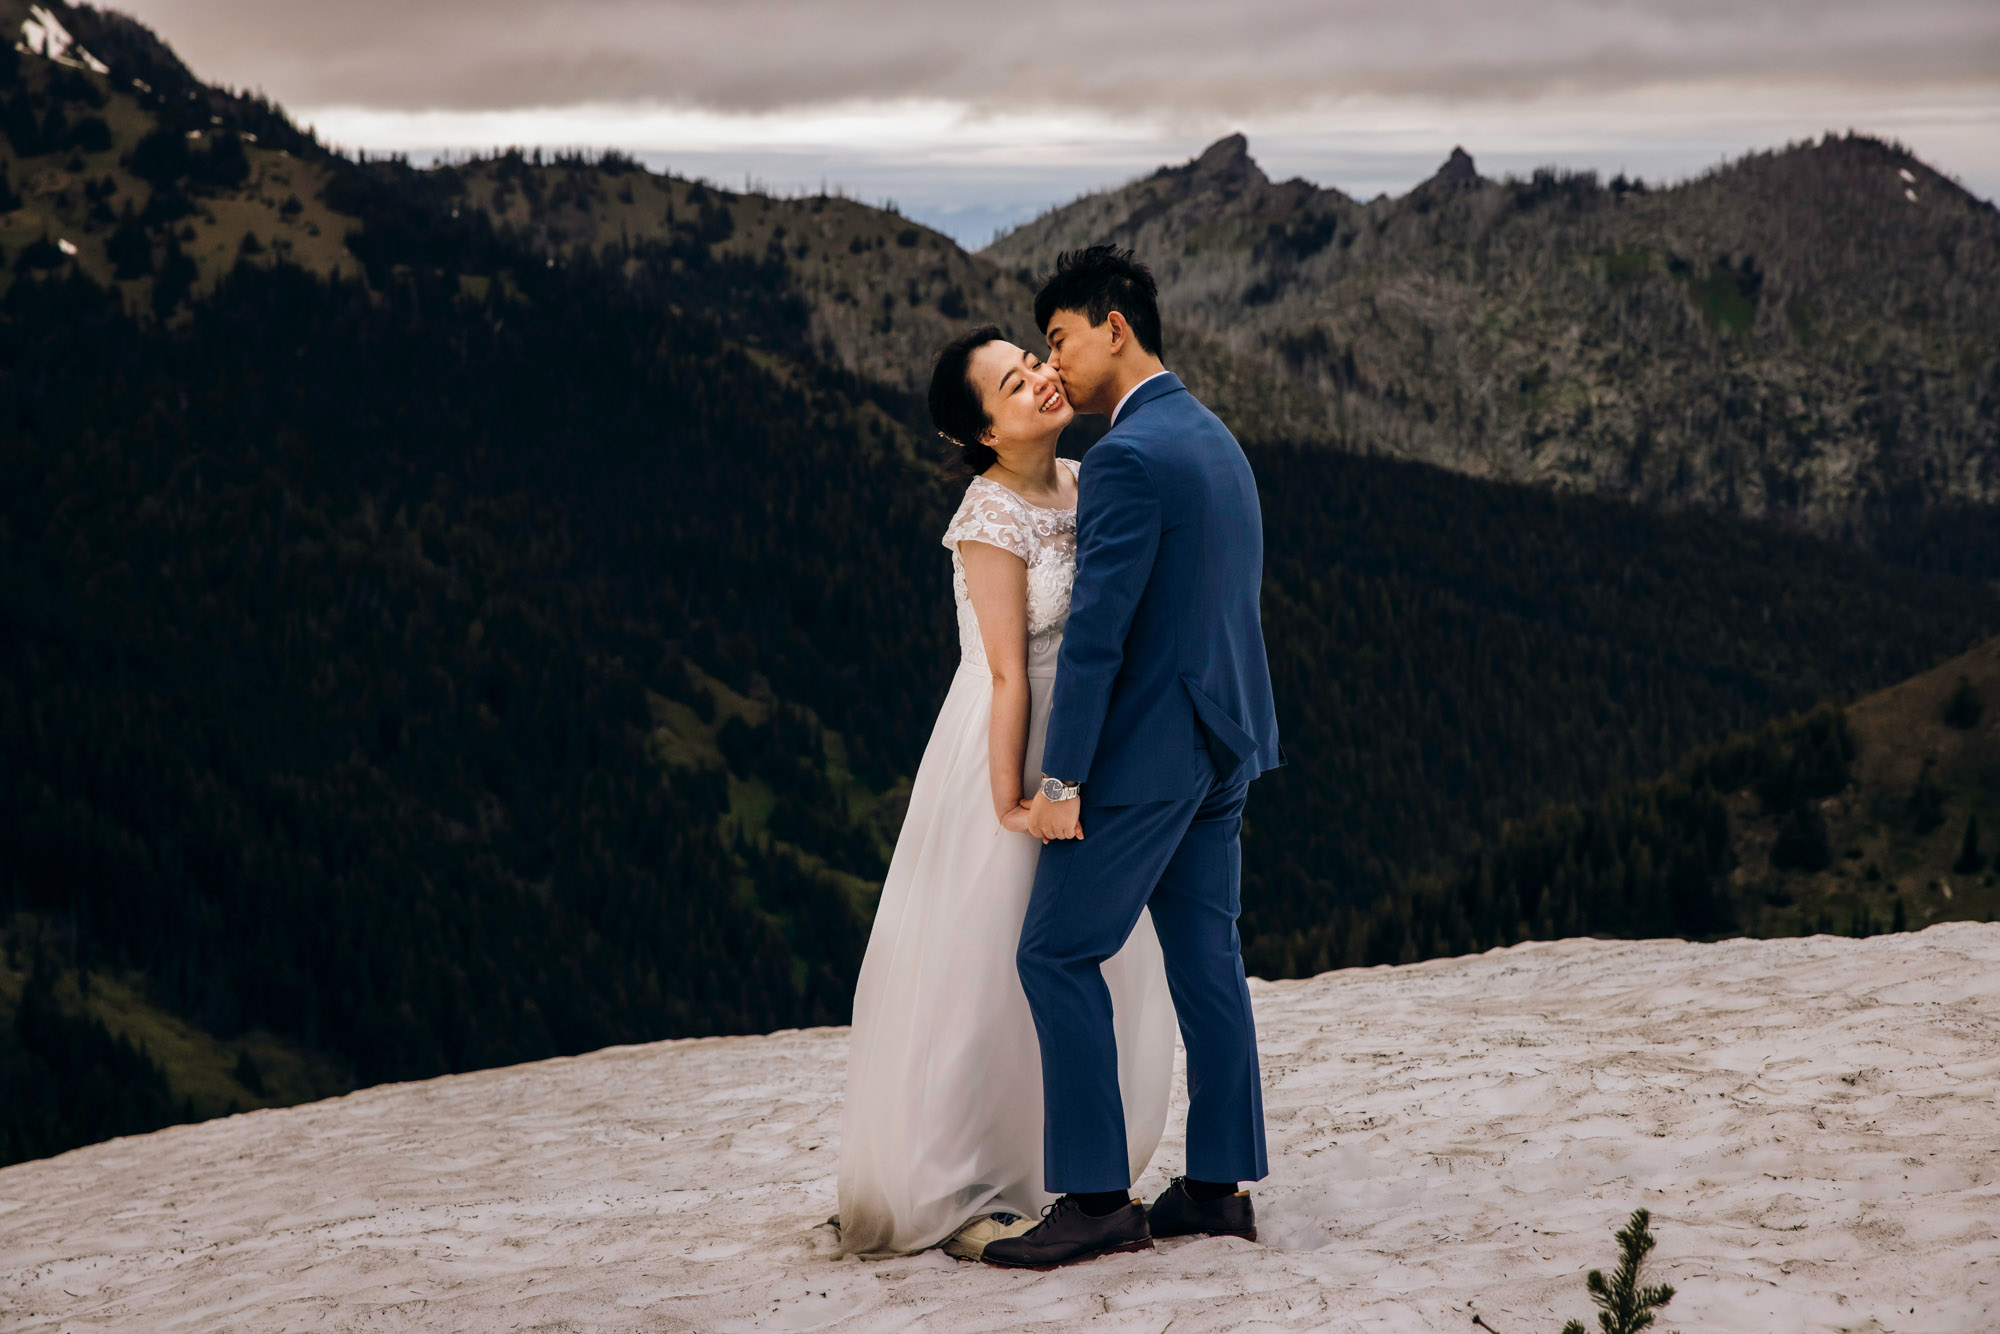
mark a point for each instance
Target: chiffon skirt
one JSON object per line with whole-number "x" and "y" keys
{"x": 943, "y": 1118}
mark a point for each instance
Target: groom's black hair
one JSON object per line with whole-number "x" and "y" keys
{"x": 1097, "y": 281}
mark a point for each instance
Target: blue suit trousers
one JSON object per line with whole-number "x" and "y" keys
{"x": 1182, "y": 859}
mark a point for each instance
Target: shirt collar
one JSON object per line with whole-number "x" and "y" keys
{"x": 1133, "y": 390}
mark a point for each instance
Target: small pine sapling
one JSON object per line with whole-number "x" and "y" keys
{"x": 1624, "y": 1305}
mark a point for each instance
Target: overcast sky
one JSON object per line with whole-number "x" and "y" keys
{"x": 974, "y": 116}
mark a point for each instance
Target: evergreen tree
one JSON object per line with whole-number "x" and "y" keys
{"x": 1925, "y": 807}
{"x": 161, "y": 157}
{"x": 248, "y": 1073}
{"x": 17, "y": 119}
{"x": 224, "y": 164}
{"x": 130, "y": 249}
{"x": 1964, "y": 707}
{"x": 39, "y": 256}
{"x": 1802, "y": 840}
{"x": 54, "y": 133}
{"x": 1625, "y": 1305}
{"x": 90, "y": 134}
{"x": 175, "y": 281}
{"x": 1970, "y": 860}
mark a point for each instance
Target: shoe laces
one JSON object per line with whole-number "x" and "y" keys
{"x": 1061, "y": 1204}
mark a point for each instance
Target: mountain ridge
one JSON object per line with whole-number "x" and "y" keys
{"x": 1807, "y": 335}
{"x": 1747, "y": 341}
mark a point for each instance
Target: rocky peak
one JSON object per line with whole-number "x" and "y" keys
{"x": 1227, "y": 159}
{"x": 1457, "y": 170}
{"x": 1457, "y": 173}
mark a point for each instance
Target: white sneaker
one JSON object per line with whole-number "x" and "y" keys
{"x": 970, "y": 1241}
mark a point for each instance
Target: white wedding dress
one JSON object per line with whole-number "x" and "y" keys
{"x": 943, "y": 1119}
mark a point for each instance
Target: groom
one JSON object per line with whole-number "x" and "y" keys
{"x": 1162, "y": 716}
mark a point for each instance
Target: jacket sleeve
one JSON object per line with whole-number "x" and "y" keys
{"x": 1117, "y": 538}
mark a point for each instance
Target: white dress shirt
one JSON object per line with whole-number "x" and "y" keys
{"x": 1133, "y": 390}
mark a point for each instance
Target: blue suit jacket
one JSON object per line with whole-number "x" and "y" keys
{"x": 1162, "y": 687}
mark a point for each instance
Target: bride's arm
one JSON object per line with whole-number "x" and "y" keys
{"x": 997, "y": 581}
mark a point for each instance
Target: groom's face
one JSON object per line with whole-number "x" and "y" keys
{"x": 1081, "y": 353}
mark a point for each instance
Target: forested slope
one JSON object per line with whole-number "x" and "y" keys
{"x": 1449, "y": 654}
{"x": 1877, "y": 817}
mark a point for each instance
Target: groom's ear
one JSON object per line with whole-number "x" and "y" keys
{"x": 1121, "y": 331}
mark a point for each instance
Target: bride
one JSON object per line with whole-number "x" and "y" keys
{"x": 941, "y": 1135}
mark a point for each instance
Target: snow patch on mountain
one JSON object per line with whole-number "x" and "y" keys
{"x": 1812, "y": 1123}
{"x": 43, "y": 34}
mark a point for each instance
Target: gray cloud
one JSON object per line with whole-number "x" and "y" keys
{"x": 1159, "y": 58}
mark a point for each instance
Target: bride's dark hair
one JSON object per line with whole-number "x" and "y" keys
{"x": 957, "y": 413}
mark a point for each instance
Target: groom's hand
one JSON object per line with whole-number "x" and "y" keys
{"x": 1048, "y": 820}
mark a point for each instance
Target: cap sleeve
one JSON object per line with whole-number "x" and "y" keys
{"x": 985, "y": 515}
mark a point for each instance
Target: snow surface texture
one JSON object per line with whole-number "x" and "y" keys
{"x": 1812, "y": 1122}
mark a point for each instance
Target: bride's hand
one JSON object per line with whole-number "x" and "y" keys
{"x": 1016, "y": 820}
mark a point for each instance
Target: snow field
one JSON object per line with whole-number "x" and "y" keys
{"x": 1813, "y": 1124}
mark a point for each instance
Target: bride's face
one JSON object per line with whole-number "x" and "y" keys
{"x": 1023, "y": 398}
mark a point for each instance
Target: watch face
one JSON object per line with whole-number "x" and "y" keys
{"x": 1052, "y": 788}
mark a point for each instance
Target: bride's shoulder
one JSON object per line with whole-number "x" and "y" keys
{"x": 988, "y": 513}
{"x": 988, "y": 496}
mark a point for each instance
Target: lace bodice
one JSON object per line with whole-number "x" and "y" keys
{"x": 1043, "y": 538}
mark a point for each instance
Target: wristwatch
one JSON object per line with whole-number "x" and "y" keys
{"x": 1057, "y": 790}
